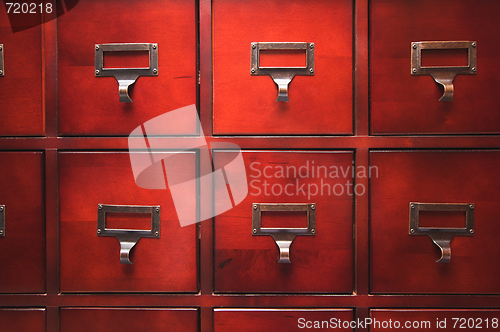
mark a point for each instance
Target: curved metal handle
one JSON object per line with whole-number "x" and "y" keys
{"x": 282, "y": 84}
{"x": 282, "y": 76}
{"x": 126, "y": 76}
{"x": 441, "y": 237}
{"x": 123, "y": 86}
{"x": 443, "y": 75}
{"x": 447, "y": 83}
{"x": 283, "y": 236}
{"x": 125, "y": 248}
{"x": 128, "y": 238}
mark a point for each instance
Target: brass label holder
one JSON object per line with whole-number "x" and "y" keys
{"x": 126, "y": 76}
{"x": 442, "y": 236}
{"x": 128, "y": 238}
{"x": 282, "y": 76}
{"x": 443, "y": 75}
{"x": 2, "y": 220}
{"x": 2, "y": 70}
{"x": 283, "y": 236}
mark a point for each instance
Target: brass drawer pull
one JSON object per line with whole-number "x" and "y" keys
{"x": 283, "y": 236}
{"x": 128, "y": 238}
{"x": 282, "y": 76}
{"x": 442, "y": 236}
{"x": 2, "y": 71}
{"x": 126, "y": 76}
{"x": 443, "y": 75}
{"x": 2, "y": 220}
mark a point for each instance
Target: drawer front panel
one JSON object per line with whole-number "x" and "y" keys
{"x": 320, "y": 262}
{"x": 90, "y": 105}
{"x": 247, "y": 104}
{"x": 91, "y": 263}
{"x": 21, "y": 79}
{"x": 434, "y": 319}
{"x": 401, "y": 263}
{"x": 128, "y": 319}
{"x": 22, "y": 241}
{"x": 406, "y": 103}
{"x": 22, "y": 320}
{"x": 253, "y": 320}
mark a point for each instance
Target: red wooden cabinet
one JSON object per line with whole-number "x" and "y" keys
{"x": 331, "y": 174}
{"x": 320, "y": 261}
{"x": 23, "y": 320}
{"x": 91, "y": 263}
{"x": 402, "y": 103}
{"x": 22, "y": 240}
{"x": 401, "y": 263}
{"x": 89, "y": 104}
{"x": 129, "y": 319}
{"x": 318, "y": 105}
{"x": 21, "y": 84}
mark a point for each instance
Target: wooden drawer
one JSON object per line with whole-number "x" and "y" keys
{"x": 322, "y": 261}
{"x": 22, "y": 241}
{"x": 434, "y": 319}
{"x": 128, "y": 319}
{"x": 21, "y": 79}
{"x": 89, "y": 105}
{"x": 90, "y": 262}
{"x": 404, "y": 103}
{"x": 249, "y": 320}
{"x": 246, "y": 104}
{"x": 22, "y": 320}
{"x": 406, "y": 263}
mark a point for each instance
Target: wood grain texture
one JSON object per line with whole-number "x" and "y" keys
{"x": 319, "y": 104}
{"x": 90, "y": 263}
{"x": 89, "y": 105}
{"x": 22, "y": 320}
{"x": 23, "y": 248}
{"x": 401, "y": 263}
{"x": 402, "y": 103}
{"x": 128, "y": 319}
{"x": 21, "y": 88}
{"x": 322, "y": 263}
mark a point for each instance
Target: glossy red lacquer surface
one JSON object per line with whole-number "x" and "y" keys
{"x": 246, "y": 104}
{"x": 22, "y": 320}
{"x": 322, "y": 263}
{"x": 22, "y": 249}
{"x": 21, "y": 89}
{"x": 402, "y": 103}
{"x": 128, "y": 319}
{"x": 401, "y": 263}
{"x": 89, "y": 105}
{"x": 90, "y": 263}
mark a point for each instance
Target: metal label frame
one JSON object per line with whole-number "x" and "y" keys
{"x": 126, "y": 76}
{"x": 443, "y": 75}
{"x": 307, "y": 47}
{"x": 128, "y": 238}
{"x": 282, "y": 76}
{"x": 258, "y": 208}
{"x": 441, "y": 236}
